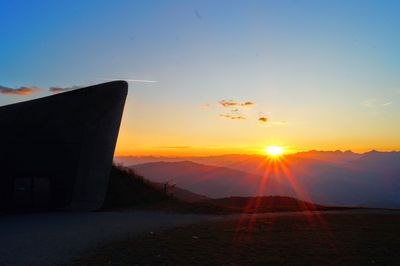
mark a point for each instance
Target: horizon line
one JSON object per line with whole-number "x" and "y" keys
{"x": 257, "y": 154}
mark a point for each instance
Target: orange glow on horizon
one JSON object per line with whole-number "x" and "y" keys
{"x": 274, "y": 151}
{"x": 138, "y": 149}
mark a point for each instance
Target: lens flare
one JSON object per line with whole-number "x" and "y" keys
{"x": 274, "y": 151}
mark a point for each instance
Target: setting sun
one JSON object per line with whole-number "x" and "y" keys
{"x": 274, "y": 151}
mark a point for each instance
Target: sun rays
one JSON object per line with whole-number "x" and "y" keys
{"x": 274, "y": 151}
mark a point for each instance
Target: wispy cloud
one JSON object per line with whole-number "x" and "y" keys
{"x": 62, "y": 89}
{"x": 374, "y": 103}
{"x": 370, "y": 103}
{"x": 247, "y": 104}
{"x": 21, "y": 91}
{"x": 233, "y": 117}
{"x": 176, "y": 147}
{"x": 231, "y": 103}
{"x": 133, "y": 80}
{"x": 263, "y": 119}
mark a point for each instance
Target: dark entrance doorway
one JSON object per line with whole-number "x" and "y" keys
{"x": 32, "y": 193}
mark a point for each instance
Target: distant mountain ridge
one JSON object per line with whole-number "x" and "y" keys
{"x": 127, "y": 189}
{"x": 330, "y": 156}
{"x": 331, "y": 178}
{"x": 227, "y": 159}
{"x": 211, "y": 181}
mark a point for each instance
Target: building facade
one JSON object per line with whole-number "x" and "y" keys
{"x": 56, "y": 152}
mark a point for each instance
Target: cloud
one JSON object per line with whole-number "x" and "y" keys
{"x": 21, "y": 91}
{"x": 176, "y": 147}
{"x": 232, "y": 103}
{"x": 263, "y": 119}
{"x": 247, "y": 104}
{"x": 225, "y": 103}
{"x": 233, "y": 117}
{"x": 374, "y": 103}
{"x": 62, "y": 89}
{"x": 370, "y": 103}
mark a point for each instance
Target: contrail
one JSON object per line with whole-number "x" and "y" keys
{"x": 134, "y": 80}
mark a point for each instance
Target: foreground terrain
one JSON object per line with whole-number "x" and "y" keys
{"x": 353, "y": 237}
{"x": 56, "y": 238}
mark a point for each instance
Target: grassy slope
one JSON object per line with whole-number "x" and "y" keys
{"x": 128, "y": 190}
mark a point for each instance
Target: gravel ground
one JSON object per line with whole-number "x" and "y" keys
{"x": 362, "y": 239}
{"x": 57, "y": 238}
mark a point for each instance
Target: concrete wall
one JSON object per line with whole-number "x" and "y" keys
{"x": 62, "y": 143}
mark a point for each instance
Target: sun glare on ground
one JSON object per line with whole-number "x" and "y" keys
{"x": 274, "y": 151}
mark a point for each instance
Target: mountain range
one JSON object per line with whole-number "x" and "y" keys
{"x": 331, "y": 178}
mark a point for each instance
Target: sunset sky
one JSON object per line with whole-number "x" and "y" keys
{"x": 218, "y": 76}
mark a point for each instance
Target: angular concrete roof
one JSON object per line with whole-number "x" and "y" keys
{"x": 66, "y": 140}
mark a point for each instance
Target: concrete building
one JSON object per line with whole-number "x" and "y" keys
{"x": 56, "y": 152}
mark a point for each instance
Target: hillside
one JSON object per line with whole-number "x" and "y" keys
{"x": 127, "y": 188}
{"x": 266, "y": 204}
{"x": 211, "y": 181}
{"x": 180, "y": 193}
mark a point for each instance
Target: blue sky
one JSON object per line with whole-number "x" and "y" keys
{"x": 327, "y": 69}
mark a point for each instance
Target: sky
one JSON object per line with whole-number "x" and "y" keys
{"x": 218, "y": 76}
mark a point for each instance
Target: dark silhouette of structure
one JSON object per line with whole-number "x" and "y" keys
{"x": 56, "y": 152}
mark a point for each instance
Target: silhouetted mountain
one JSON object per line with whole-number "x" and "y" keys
{"x": 212, "y": 181}
{"x": 180, "y": 193}
{"x": 379, "y": 160}
{"x": 330, "y": 178}
{"x": 329, "y": 156}
{"x": 126, "y": 188}
{"x": 129, "y": 189}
